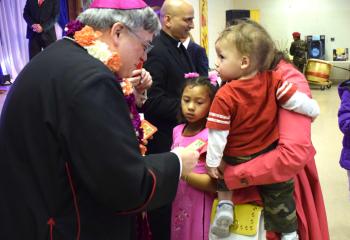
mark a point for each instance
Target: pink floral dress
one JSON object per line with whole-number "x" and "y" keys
{"x": 191, "y": 208}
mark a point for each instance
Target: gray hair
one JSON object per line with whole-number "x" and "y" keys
{"x": 104, "y": 18}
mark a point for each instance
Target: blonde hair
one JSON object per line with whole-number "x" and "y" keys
{"x": 251, "y": 39}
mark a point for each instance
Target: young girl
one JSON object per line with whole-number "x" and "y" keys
{"x": 344, "y": 125}
{"x": 191, "y": 208}
{"x": 242, "y": 122}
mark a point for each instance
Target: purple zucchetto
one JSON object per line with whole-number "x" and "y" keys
{"x": 119, "y": 4}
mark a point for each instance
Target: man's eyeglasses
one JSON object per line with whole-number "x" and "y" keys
{"x": 147, "y": 47}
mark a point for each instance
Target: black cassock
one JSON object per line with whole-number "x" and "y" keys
{"x": 69, "y": 157}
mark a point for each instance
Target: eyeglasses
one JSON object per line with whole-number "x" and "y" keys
{"x": 147, "y": 47}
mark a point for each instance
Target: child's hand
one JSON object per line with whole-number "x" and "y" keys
{"x": 213, "y": 172}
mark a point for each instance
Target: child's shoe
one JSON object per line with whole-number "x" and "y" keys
{"x": 223, "y": 219}
{"x": 290, "y": 236}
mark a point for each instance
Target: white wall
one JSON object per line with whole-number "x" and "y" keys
{"x": 216, "y": 23}
{"x": 281, "y": 18}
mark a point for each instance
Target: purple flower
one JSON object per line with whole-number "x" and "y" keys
{"x": 72, "y": 27}
{"x": 136, "y": 121}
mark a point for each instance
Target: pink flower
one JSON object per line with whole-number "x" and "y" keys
{"x": 191, "y": 75}
{"x": 213, "y": 76}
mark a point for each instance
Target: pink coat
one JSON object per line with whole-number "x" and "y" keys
{"x": 293, "y": 157}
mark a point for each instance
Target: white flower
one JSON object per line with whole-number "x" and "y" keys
{"x": 99, "y": 50}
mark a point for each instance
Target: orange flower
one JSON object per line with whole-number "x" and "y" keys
{"x": 127, "y": 87}
{"x": 86, "y": 36}
{"x": 114, "y": 63}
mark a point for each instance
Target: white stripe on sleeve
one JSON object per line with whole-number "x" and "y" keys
{"x": 217, "y": 140}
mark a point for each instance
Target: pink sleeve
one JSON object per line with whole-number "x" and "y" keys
{"x": 292, "y": 153}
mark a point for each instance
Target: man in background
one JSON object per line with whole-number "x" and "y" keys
{"x": 198, "y": 56}
{"x": 167, "y": 62}
{"x": 298, "y": 50}
{"x": 41, "y": 16}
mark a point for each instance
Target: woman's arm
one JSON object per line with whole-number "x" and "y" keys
{"x": 290, "y": 156}
{"x": 292, "y": 153}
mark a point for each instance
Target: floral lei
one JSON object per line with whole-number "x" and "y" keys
{"x": 87, "y": 37}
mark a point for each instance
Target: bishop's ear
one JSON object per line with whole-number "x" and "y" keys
{"x": 117, "y": 28}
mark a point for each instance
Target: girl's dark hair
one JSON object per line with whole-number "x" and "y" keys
{"x": 194, "y": 82}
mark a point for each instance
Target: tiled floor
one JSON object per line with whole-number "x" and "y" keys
{"x": 327, "y": 140}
